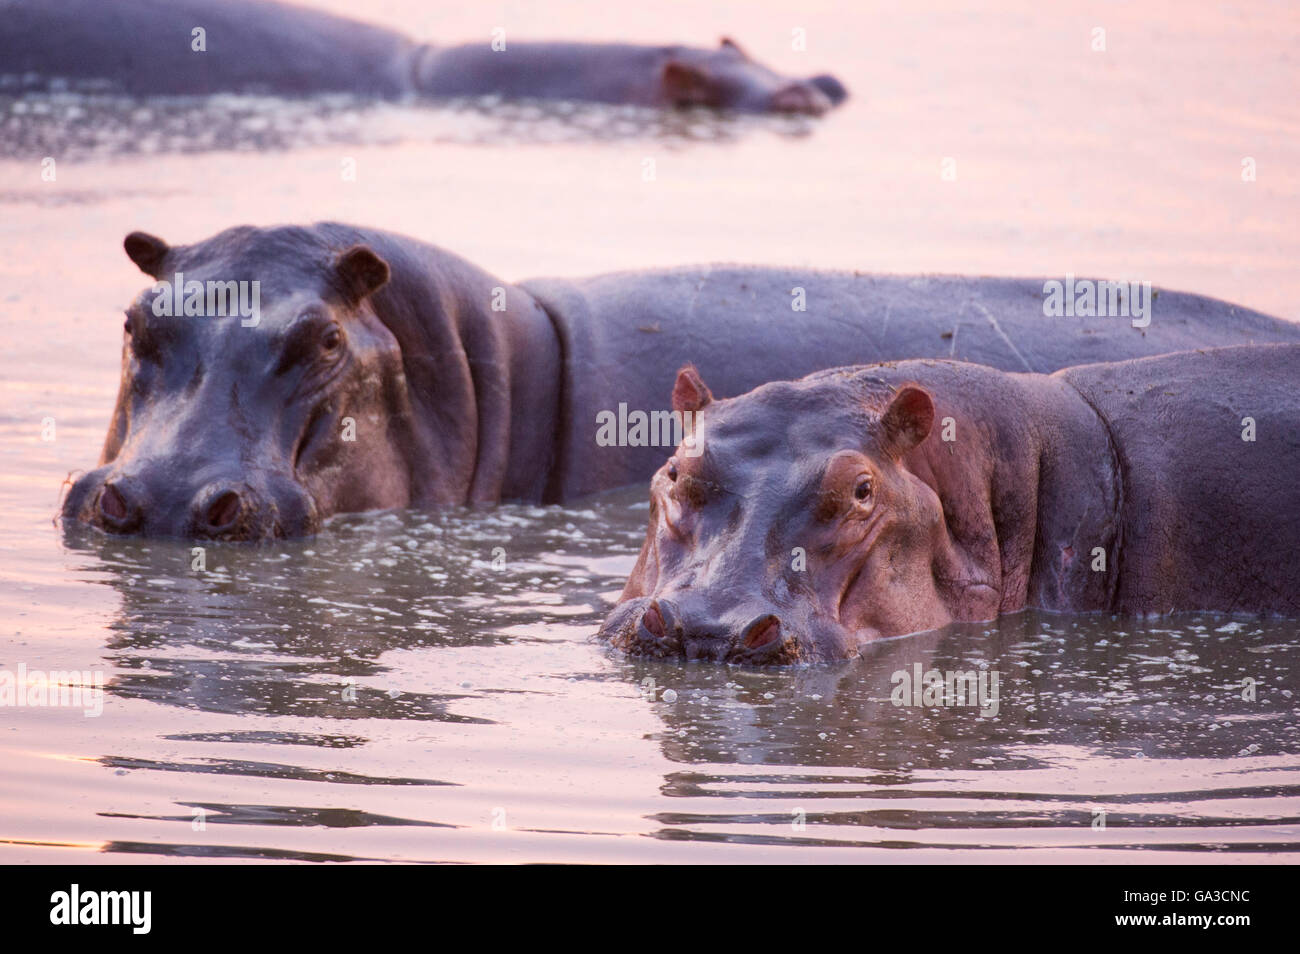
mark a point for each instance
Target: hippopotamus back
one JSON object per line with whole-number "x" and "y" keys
{"x": 146, "y": 47}
{"x": 625, "y": 335}
{"x": 1208, "y": 444}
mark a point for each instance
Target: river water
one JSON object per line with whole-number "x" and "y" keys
{"x": 423, "y": 687}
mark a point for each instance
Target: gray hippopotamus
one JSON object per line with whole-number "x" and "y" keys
{"x": 867, "y": 502}
{"x": 272, "y": 377}
{"x": 150, "y": 47}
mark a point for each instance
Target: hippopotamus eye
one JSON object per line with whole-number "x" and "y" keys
{"x": 862, "y": 490}
{"x": 332, "y": 338}
{"x": 144, "y": 343}
{"x": 672, "y": 471}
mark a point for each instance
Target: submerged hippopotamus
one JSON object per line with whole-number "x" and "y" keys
{"x": 867, "y": 502}
{"x": 272, "y": 377}
{"x": 149, "y": 47}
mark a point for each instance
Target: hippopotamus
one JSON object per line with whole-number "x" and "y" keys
{"x": 866, "y": 502}
{"x": 150, "y": 47}
{"x": 346, "y": 369}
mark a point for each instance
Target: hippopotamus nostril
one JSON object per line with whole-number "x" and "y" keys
{"x": 111, "y": 503}
{"x": 653, "y": 620}
{"x": 765, "y": 642}
{"x": 117, "y": 511}
{"x": 762, "y": 632}
{"x": 658, "y": 631}
{"x": 223, "y": 511}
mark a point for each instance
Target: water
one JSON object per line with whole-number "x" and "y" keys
{"x": 397, "y": 685}
{"x": 412, "y": 686}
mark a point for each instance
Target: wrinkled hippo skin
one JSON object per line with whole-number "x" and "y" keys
{"x": 144, "y": 47}
{"x": 462, "y": 388}
{"x": 868, "y": 502}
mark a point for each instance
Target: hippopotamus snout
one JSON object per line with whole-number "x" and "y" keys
{"x": 811, "y": 97}
{"x": 832, "y": 88}
{"x": 682, "y": 626}
{"x": 222, "y": 508}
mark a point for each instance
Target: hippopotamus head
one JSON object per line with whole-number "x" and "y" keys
{"x": 791, "y": 529}
{"x": 726, "y": 78}
{"x": 255, "y": 415}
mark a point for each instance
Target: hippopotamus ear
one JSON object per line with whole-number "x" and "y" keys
{"x": 907, "y": 420}
{"x": 727, "y": 43}
{"x": 690, "y": 393}
{"x": 359, "y": 272}
{"x": 147, "y": 251}
{"x": 685, "y": 84}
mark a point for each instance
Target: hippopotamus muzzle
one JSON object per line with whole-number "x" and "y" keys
{"x": 683, "y": 626}
{"x": 661, "y": 629}
{"x": 801, "y": 99}
{"x": 156, "y": 501}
